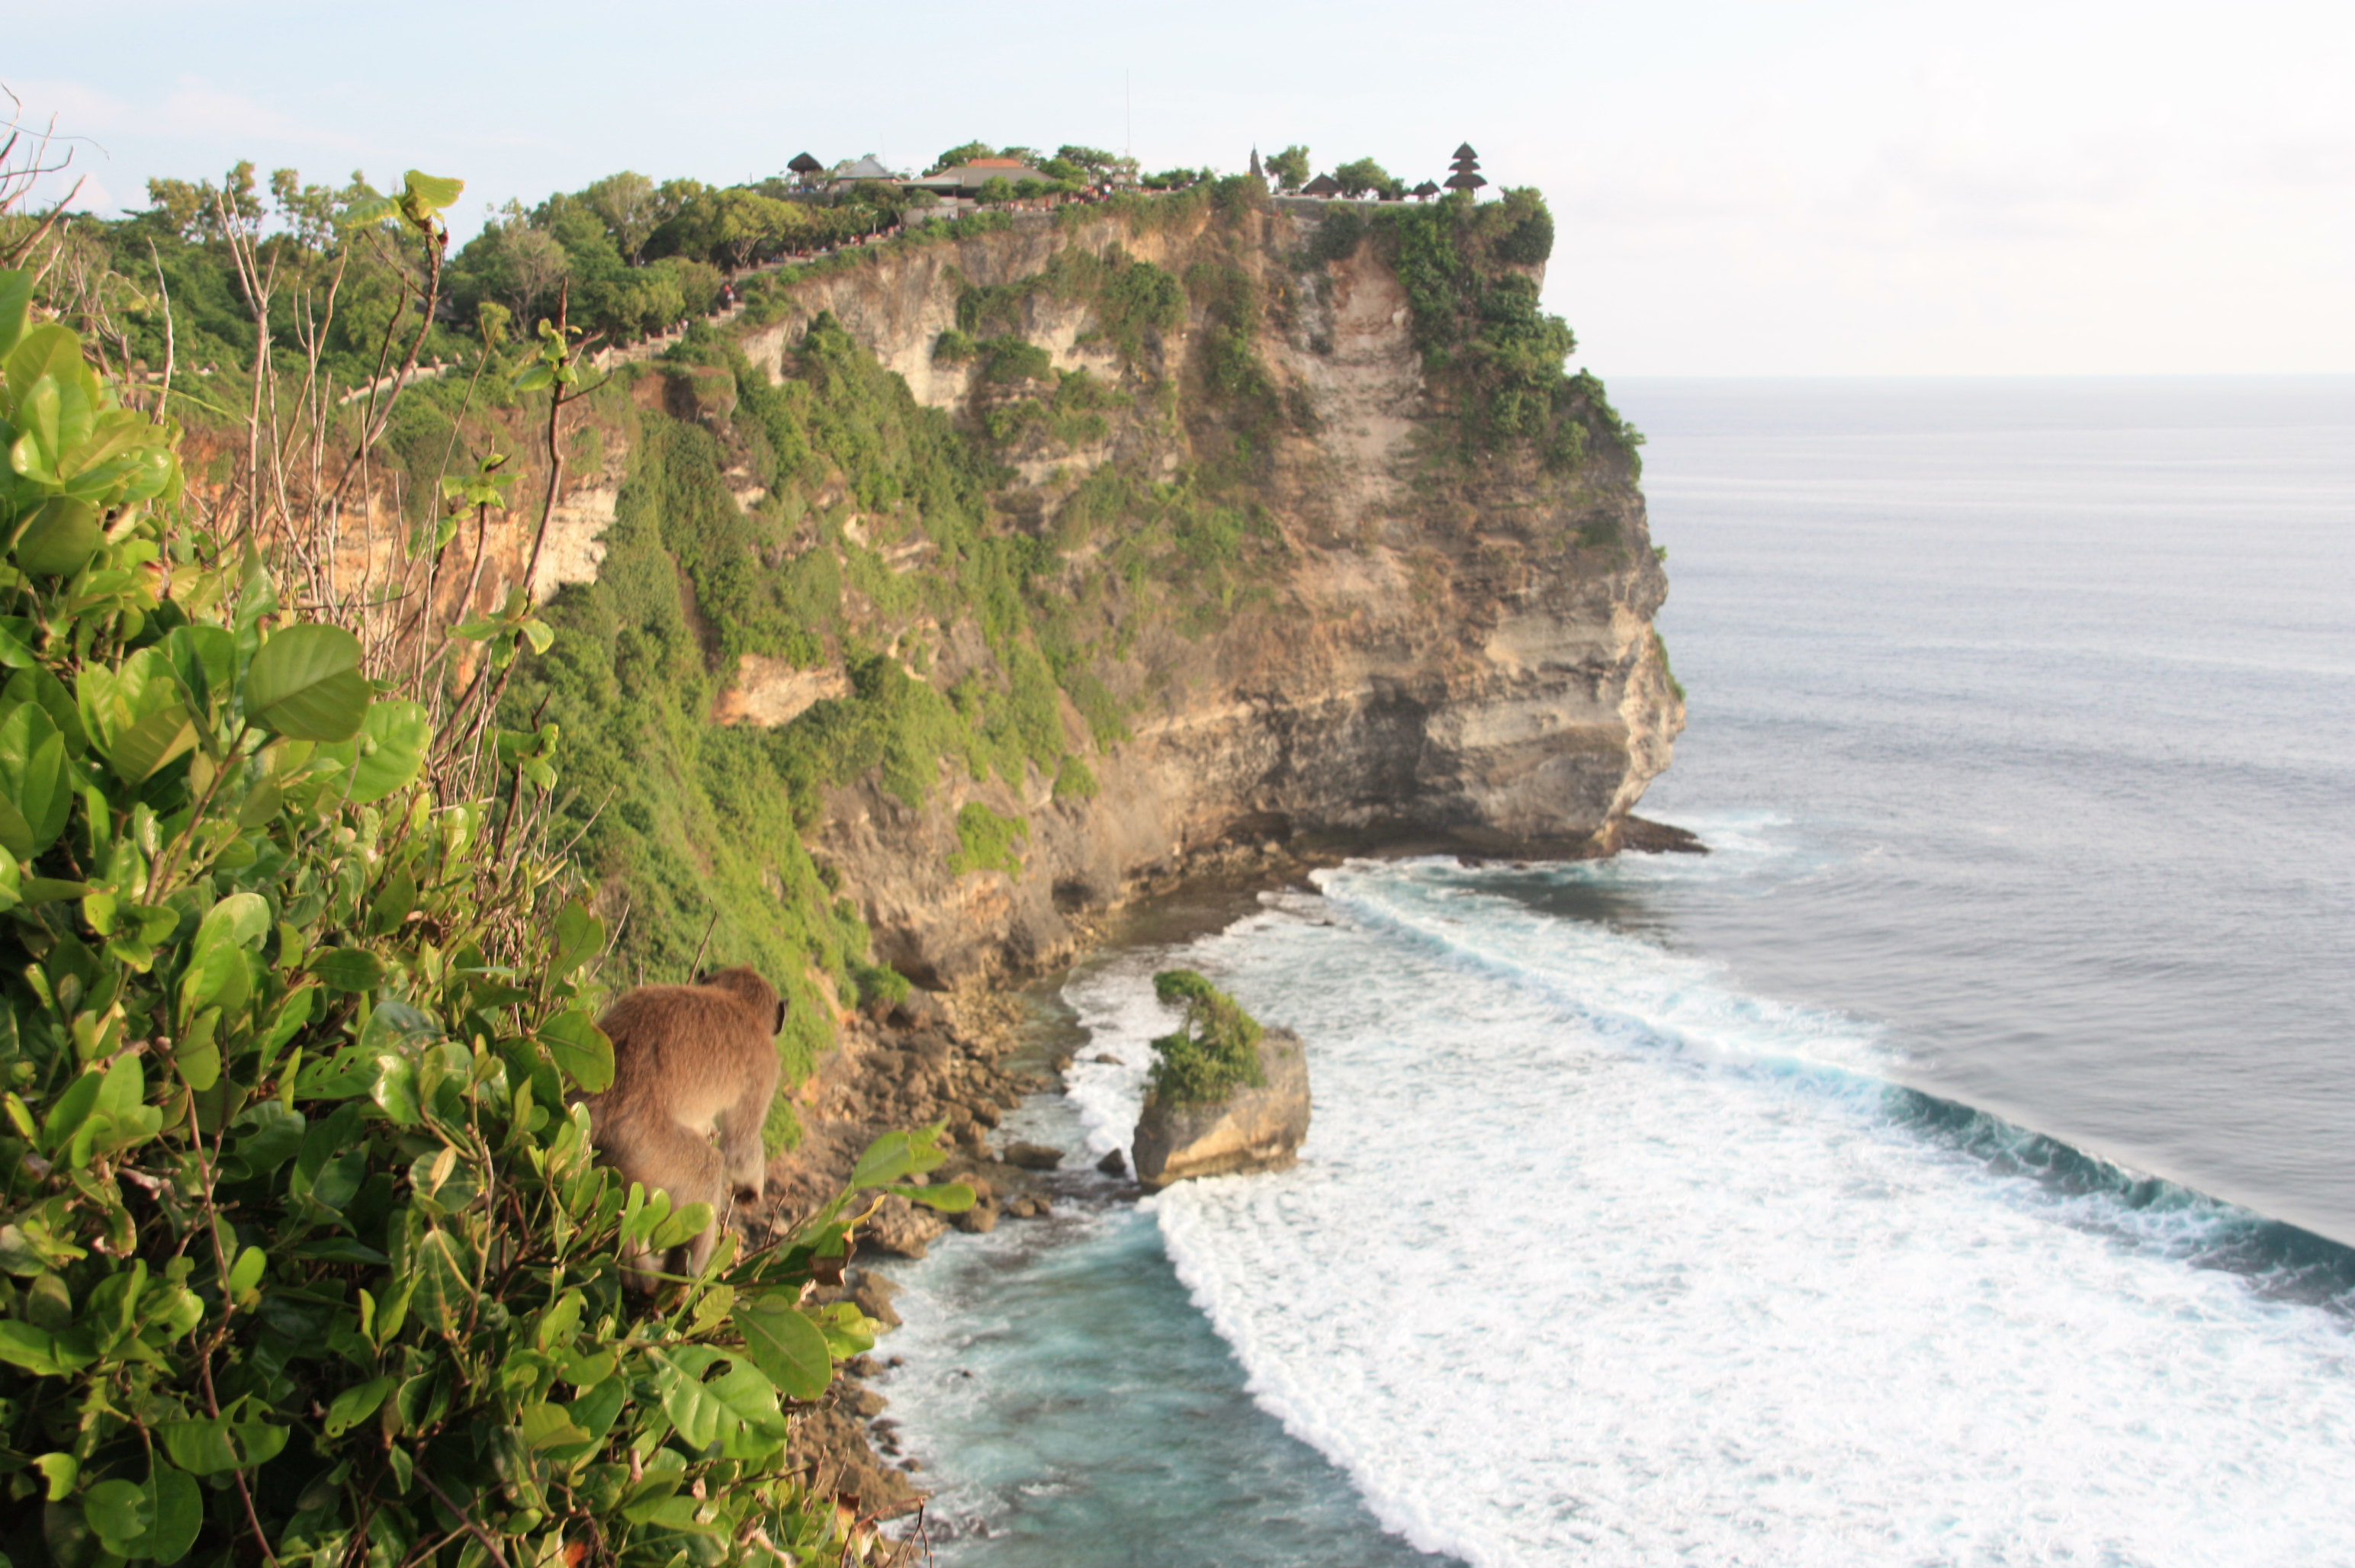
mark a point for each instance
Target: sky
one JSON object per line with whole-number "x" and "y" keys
{"x": 2071, "y": 187}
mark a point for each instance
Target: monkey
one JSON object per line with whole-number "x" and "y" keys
{"x": 689, "y": 1061}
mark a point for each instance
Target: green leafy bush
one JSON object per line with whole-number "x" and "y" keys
{"x": 1363, "y": 177}
{"x": 1338, "y": 229}
{"x": 1213, "y": 1052}
{"x": 304, "y": 1257}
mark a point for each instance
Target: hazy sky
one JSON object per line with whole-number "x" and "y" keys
{"x": 1740, "y": 188}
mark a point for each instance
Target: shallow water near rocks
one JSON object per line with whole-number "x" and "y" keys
{"x": 1949, "y": 1169}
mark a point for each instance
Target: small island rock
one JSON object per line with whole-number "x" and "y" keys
{"x": 1250, "y": 1128}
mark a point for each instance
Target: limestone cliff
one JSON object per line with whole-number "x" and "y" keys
{"x": 959, "y": 587}
{"x": 1438, "y": 646}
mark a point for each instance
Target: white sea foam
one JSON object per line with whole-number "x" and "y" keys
{"x": 1591, "y": 1257}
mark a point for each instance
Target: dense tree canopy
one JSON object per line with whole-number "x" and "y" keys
{"x": 1289, "y": 168}
{"x": 1367, "y": 177}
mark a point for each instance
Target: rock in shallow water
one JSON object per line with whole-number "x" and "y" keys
{"x": 901, "y": 1230}
{"x": 1251, "y": 1129}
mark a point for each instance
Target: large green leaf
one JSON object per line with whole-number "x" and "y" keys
{"x": 848, "y": 1332}
{"x": 581, "y": 1049}
{"x": 445, "y": 1286}
{"x": 346, "y": 969}
{"x": 391, "y": 745}
{"x": 50, "y": 352}
{"x": 218, "y": 974}
{"x": 40, "y": 1351}
{"x": 579, "y": 936}
{"x": 122, "y": 1513}
{"x": 949, "y": 1198}
{"x": 144, "y": 747}
{"x": 395, "y": 1089}
{"x": 205, "y": 660}
{"x": 15, "y": 836}
{"x": 36, "y": 684}
{"x": 157, "y": 1519}
{"x": 547, "y": 1426}
{"x": 786, "y": 1344}
{"x": 69, "y": 1110}
{"x": 750, "y": 1402}
{"x": 15, "y": 303}
{"x": 688, "y": 1403}
{"x": 179, "y": 1513}
{"x": 60, "y": 539}
{"x": 33, "y": 778}
{"x": 306, "y": 684}
{"x": 425, "y": 195}
{"x": 209, "y": 1447}
{"x": 113, "y": 701}
{"x": 897, "y": 1156}
{"x": 356, "y": 1405}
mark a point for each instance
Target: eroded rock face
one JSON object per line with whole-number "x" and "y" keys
{"x": 1451, "y": 654}
{"x": 1251, "y": 1129}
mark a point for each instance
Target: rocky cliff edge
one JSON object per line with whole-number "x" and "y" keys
{"x": 1423, "y": 642}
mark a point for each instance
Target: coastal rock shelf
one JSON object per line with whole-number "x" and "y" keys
{"x": 1257, "y": 1127}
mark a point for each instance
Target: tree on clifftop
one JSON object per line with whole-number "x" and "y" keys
{"x": 963, "y": 153}
{"x": 1367, "y": 177}
{"x": 1289, "y": 168}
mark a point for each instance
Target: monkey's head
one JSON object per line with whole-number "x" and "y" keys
{"x": 744, "y": 982}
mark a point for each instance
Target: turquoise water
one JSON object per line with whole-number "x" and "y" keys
{"x": 1105, "y": 1422}
{"x": 1950, "y": 1169}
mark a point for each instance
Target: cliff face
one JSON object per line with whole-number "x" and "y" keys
{"x": 1418, "y": 644}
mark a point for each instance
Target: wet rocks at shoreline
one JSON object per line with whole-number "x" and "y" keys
{"x": 933, "y": 1059}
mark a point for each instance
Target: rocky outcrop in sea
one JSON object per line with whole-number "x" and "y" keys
{"x": 1253, "y": 1127}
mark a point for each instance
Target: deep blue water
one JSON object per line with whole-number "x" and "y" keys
{"x": 1952, "y": 1167}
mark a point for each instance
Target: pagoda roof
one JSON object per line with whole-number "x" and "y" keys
{"x": 1465, "y": 179}
{"x": 1465, "y": 151}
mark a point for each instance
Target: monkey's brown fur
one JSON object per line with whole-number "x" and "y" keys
{"x": 689, "y": 1061}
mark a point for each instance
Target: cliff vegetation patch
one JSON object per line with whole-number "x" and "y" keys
{"x": 1213, "y": 1052}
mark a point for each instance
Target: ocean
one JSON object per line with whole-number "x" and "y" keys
{"x": 1953, "y": 1166}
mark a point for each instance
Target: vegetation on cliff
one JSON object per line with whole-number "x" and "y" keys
{"x": 302, "y": 1253}
{"x": 1214, "y": 1050}
{"x": 988, "y": 580}
{"x": 316, "y": 834}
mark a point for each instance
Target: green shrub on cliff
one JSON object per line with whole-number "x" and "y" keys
{"x": 1477, "y": 319}
{"x": 1213, "y": 1052}
{"x": 986, "y": 841}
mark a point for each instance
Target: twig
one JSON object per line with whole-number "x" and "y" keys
{"x": 695, "y": 969}
{"x": 477, "y": 1530}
